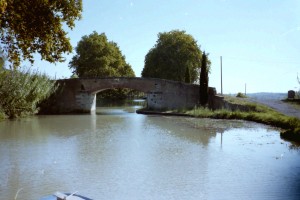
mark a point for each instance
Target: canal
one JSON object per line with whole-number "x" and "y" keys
{"x": 118, "y": 154}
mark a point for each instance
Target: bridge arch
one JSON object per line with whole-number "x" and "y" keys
{"x": 140, "y": 84}
{"x": 79, "y": 95}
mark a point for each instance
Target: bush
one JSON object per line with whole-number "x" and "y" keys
{"x": 114, "y": 94}
{"x": 241, "y": 95}
{"x": 21, "y": 91}
{"x": 2, "y": 114}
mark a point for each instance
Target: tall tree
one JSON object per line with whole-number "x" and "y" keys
{"x": 187, "y": 75}
{"x": 204, "y": 79}
{"x": 98, "y": 57}
{"x": 36, "y": 26}
{"x": 173, "y": 53}
{"x": 299, "y": 85}
{"x": 1, "y": 63}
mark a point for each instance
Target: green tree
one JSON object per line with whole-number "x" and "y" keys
{"x": 74, "y": 76}
{"x": 299, "y": 85}
{"x": 173, "y": 53}
{"x": 187, "y": 75}
{"x": 205, "y": 67}
{"x": 98, "y": 57}
{"x": 36, "y": 26}
{"x": 2, "y": 61}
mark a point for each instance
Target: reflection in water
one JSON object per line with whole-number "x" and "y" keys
{"x": 117, "y": 154}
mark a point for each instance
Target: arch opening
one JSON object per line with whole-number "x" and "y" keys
{"x": 116, "y": 97}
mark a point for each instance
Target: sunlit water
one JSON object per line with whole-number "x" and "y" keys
{"x": 117, "y": 154}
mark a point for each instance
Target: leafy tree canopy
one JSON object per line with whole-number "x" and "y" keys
{"x": 98, "y": 57}
{"x": 36, "y": 26}
{"x": 174, "y": 56}
{"x": 299, "y": 85}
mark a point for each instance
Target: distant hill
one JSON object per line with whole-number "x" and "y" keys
{"x": 267, "y": 95}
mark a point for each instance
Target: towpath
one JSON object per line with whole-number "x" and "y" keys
{"x": 278, "y": 105}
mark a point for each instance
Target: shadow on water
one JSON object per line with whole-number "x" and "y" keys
{"x": 121, "y": 107}
{"x": 116, "y": 110}
{"x": 121, "y": 103}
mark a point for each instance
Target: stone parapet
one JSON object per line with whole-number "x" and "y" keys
{"x": 79, "y": 95}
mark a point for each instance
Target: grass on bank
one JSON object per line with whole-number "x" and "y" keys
{"x": 258, "y": 113}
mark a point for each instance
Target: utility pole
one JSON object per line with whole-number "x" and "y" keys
{"x": 221, "y": 77}
{"x": 245, "y": 89}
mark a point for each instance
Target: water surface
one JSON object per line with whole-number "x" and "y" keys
{"x": 118, "y": 154}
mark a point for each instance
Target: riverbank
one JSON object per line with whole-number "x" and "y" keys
{"x": 144, "y": 111}
{"x": 290, "y": 126}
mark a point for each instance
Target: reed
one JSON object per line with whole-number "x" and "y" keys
{"x": 21, "y": 91}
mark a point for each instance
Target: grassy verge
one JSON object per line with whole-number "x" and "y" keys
{"x": 255, "y": 112}
{"x": 290, "y": 125}
{"x": 295, "y": 103}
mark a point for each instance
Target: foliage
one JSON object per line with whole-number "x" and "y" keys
{"x": 36, "y": 26}
{"x": 113, "y": 94}
{"x": 21, "y": 91}
{"x": 1, "y": 63}
{"x": 204, "y": 80}
{"x": 74, "y": 76}
{"x": 241, "y": 95}
{"x": 173, "y": 53}
{"x": 98, "y": 57}
{"x": 2, "y": 58}
{"x": 2, "y": 114}
{"x": 299, "y": 87}
{"x": 3, "y": 4}
{"x": 187, "y": 76}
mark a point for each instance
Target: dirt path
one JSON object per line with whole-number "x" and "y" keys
{"x": 278, "y": 105}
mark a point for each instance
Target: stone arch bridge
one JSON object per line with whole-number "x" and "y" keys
{"x": 79, "y": 94}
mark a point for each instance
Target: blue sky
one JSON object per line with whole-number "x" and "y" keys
{"x": 257, "y": 39}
